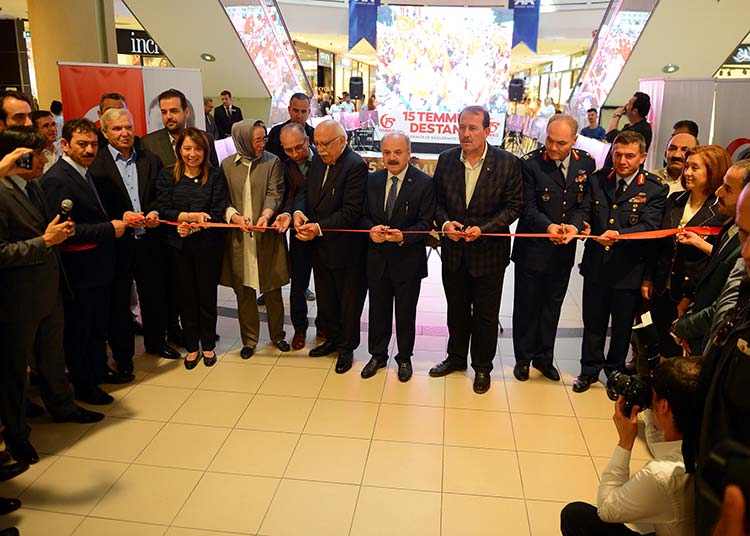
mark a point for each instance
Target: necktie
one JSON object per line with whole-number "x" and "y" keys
{"x": 325, "y": 178}
{"x": 390, "y": 202}
{"x": 229, "y": 112}
{"x": 561, "y": 167}
{"x": 34, "y": 198}
{"x": 174, "y": 146}
{"x": 621, "y": 185}
{"x": 90, "y": 181}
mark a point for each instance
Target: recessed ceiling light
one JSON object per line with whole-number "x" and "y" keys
{"x": 208, "y": 57}
{"x": 670, "y": 68}
{"x": 556, "y": 50}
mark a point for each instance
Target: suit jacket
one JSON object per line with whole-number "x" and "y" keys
{"x": 639, "y": 208}
{"x": 496, "y": 203}
{"x": 30, "y": 273}
{"x": 223, "y": 122}
{"x": 680, "y": 263}
{"x": 414, "y": 211}
{"x": 160, "y": 143}
{"x": 274, "y": 139}
{"x": 548, "y": 199}
{"x": 95, "y": 266}
{"x": 115, "y": 198}
{"x": 210, "y": 125}
{"x": 336, "y": 205}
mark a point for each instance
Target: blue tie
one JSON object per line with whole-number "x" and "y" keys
{"x": 390, "y": 202}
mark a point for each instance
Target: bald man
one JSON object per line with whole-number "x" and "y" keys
{"x": 332, "y": 198}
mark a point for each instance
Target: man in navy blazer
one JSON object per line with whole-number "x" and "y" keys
{"x": 226, "y": 115}
{"x": 88, "y": 258}
{"x": 399, "y": 198}
{"x": 479, "y": 189}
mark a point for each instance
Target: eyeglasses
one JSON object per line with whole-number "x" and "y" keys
{"x": 325, "y": 144}
{"x": 264, "y": 139}
{"x": 296, "y": 148}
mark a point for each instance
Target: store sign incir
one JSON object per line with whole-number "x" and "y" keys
{"x": 136, "y": 42}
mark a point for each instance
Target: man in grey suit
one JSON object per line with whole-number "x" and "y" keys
{"x": 31, "y": 303}
{"x": 174, "y": 116}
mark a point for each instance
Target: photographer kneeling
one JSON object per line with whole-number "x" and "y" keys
{"x": 661, "y": 493}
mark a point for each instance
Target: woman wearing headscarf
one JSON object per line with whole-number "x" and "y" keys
{"x": 255, "y": 261}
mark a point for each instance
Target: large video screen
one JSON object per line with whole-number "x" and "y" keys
{"x": 434, "y": 61}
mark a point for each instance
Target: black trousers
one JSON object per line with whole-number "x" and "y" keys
{"x": 473, "y": 309}
{"x": 384, "y": 293}
{"x": 663, "y": 313}
{"x": 198, "y": 266}
{"x": 300, "y": 262}
{"x": 41, "y": 344}
{"x": 86, "y": 322}
{"x": 581, "y": 519}
{"x": 341, "y": 296}
{"x": 537, "y": 302}
{"x": 599, "y": 304}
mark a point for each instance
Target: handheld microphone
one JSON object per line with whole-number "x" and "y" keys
{"x": 66, "y": 206}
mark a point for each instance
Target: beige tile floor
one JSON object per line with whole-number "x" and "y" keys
{"x": 281, "y": 445}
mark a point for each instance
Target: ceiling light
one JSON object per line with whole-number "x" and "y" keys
{"x": 670, "y": 68}
{"x": 555, "y": 50}
{"x": 208, "y": 57}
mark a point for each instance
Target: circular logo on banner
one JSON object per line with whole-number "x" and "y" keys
{"x": 493, "y": 127}
{"x": 387, "y": 121}
{"x": 739, "y": 149}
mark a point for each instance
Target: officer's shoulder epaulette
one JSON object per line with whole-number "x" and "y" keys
{"x": 581, "y": 153}
{"x": 656, "y": 178}
{"x": 534, "y": 154}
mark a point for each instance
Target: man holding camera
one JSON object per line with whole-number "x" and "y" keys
{"x": 661, "y": 493}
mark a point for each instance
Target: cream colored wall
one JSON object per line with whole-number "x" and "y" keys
{"x": 70, "y": 31}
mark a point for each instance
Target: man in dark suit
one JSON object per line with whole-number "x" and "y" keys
{"x": 399, "y": 198}
{"x": 727, "y": 250}
{"x": 625, "y": 200}
{"x": 31, "y": 303}
{"x": 299, "y": 111}
{"x": 479, "y": 189}
{"x": 125, "y": 178}
{"x": 208, "y": 105}
{"x": 226, "y": 115}
{"x": 174, "y": 116}
{"x": 89, "y": 261}
{"x": 332, "y": 198}
{"x": 555, "y": 178}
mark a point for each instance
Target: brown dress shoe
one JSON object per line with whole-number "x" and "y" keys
{"x": 298, "y": 341}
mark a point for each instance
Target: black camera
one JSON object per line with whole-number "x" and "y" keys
{"x": 636, "y": 390}
{"x": 26, "y": 161}
{"x": 727, "y": 463}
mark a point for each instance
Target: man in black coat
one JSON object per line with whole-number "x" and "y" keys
{"x": 555, "y": 178}
{"x": 299, "y": 111}
{"x": 625, "y": 200}
{"x": 399, "y": 198}
{"x": 479, "y": 189}
{"x": 31, "y": 301}
{"x": 88, "y": 258}
{"x": 333, "y": 198}
{"x": 226, "y": 115}
{"x": 125, "y": 178}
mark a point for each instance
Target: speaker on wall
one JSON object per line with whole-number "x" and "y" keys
{"x": 356, "y": 86}
{"x": 515, "y": 90}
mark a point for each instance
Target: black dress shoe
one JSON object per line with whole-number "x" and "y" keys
{"x": 262, "y": 299}
{"x": 81, "y": 416}
{"x": 549, "y": 372}
{"x": 209, "y": 361}
{"x": 344, "y": 362}
{"x": 33, "y": 410}
{"x": 12, "y": 470}
{"x": 190, "y": 364}
{"x": 283, "y": 345}
{"x": 482, "y": 382}
{"x": 114, "y": 377}
{"x": 23, "y": 452}
{"x": 309, "y": 295}
{"x": 126, "y": 369}
{"x": 5, "y": 456}
{"x": 7, "y": 506}
{"x": 165, "y": 351}
{"x": 404, "y": 371}
{"x": 94, "y": 395}
{"x": 11, "y": 531}
{"x": 247, "y": 352}
{"x": 372, "y": 367}
{"x": 583, "y": 382}
{"x": 323, "y": 349}
{"x": 446, "y": 366}
{"x": 521, "y": 372}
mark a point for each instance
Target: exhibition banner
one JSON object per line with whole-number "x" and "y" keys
{"x": 362, "y": 17}
{"x": 525, "y": 22}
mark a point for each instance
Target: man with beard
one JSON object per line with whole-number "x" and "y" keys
{"x": 333, "y": 198}
{"x": 677, "y": 147}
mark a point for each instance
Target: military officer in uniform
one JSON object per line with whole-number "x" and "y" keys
{"x": 623, "y": 200}
{"x": 555, "y": 178}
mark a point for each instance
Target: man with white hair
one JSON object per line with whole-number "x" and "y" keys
{"x": 125, "y": 178}
{"x": 332, "y": 198}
